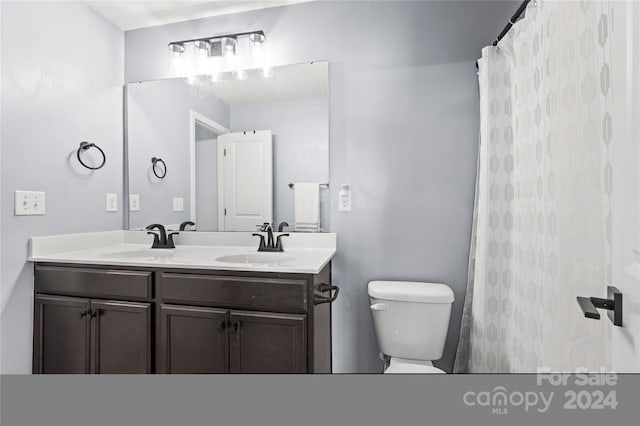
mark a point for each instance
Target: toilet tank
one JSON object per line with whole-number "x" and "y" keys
{"x": 411, "y": 319}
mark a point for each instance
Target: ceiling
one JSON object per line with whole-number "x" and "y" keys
{"x": 129, "y": 15}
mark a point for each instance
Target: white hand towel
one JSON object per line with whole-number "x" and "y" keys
{"x": 307, "y": 207}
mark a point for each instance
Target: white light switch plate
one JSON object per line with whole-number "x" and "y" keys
{"x": 112, "y": 202}
{"x": 178, "y": 204}
{"x": 344, "y": 199}
{"x": 29, "y": 203}
{"x": 134, "y": 202}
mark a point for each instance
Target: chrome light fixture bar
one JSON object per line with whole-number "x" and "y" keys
{"x": 217, "y": 45}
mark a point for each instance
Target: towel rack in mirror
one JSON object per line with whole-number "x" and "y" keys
{"x": 322, "y": 185}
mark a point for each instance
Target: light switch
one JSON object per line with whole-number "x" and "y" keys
{"x": 178, "y": 204}
{"x": 112, "y": 202}
{"x": 344, "y": 199}
{"x": 29, "y": 203}
{"x": 134, "y": 202}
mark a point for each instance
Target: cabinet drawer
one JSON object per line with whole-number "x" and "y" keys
{"x": 93, "y": 282}
{"x": 232, "y": 291}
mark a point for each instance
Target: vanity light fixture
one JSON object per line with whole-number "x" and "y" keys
{"x": 215, "y": 54}
{"x": 218, "y": 45}
{"x": 218, "y": 54}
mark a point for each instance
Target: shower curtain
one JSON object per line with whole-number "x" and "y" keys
{"x": 542, "y": 223}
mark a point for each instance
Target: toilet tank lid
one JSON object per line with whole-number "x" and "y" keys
{"x": 409, "y": 291}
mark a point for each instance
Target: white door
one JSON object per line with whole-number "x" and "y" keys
{"x": 625, "y": 340}
{"x": 245, "y": 176}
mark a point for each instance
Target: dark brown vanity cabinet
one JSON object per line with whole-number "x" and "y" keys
{"x": 99, "y": 319}
{"x": 225, "y": 322}
{"x": 193, "y": 340}
{"x": 207, "y": 340}
{"x": 61, "y": 335}
{"x": 263, "y": 342}
{"x": 75, "y": 332}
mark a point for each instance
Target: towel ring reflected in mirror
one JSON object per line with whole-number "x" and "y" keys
{"x": 163, "y": 169}
{"x": 84, "y": 145}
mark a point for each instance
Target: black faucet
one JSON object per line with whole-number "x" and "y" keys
{"x": 183, "y": 225}
{"x": 269, "y": 246}
{"x": 161, "y": 240}
{"x": 282, "y": 226}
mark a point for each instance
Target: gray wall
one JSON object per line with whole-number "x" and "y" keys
{"x": 62, "y": 75}
{"x": 403, "y": 133}
{"x": 158, "y": 126}
{"x": 300, "y": 131}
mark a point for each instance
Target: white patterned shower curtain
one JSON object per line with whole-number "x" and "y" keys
{"x": 542, "y": 220}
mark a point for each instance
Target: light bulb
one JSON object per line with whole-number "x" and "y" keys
{"x": 176, "y": 48}
{"x": 229, "y": 44}
{"x": 203, "y": 45}
{"x": 257, "y": 38}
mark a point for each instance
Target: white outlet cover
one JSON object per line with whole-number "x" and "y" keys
{"x": 134, "y": 202}
{"x": 178, "y": 204}
{"x": 112, "y": 202}
{"x": 29, "y": 203}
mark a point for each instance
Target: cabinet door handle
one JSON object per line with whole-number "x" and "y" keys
{"x": 94, "y": 313}
{"x": 223, "y": 326}
{"x": 236, "y": 328}
{"x": 83, "y": 314}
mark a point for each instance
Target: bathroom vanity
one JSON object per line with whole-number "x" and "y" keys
{"x": 124, "y": 308}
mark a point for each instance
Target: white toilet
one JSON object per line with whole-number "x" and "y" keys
{"x": 411, "y": 321}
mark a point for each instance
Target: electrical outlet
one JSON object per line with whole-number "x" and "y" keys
{"x": 134, "y": 202}
{"x": 29, "y": 203}
{"x": 112, "y": 202}
{"x": 178, "y": 204}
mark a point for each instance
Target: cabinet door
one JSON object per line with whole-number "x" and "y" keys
{"x": 61, "y": 335}
{"x": 193, "y": 340}
{"x": 121, "y": 334}
{"x": 262, "y": 342}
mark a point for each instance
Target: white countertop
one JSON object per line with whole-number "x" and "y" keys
{"x": 303, "y": 252}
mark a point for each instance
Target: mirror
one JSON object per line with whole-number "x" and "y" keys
{"x": 210, "y": 151}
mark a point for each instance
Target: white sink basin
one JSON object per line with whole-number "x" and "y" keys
{"x": 257, "y": 258}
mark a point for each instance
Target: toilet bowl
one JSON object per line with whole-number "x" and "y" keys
{"x": 411, "y": 320}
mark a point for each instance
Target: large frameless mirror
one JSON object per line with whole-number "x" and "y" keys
{"x": 226, "y": 153}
